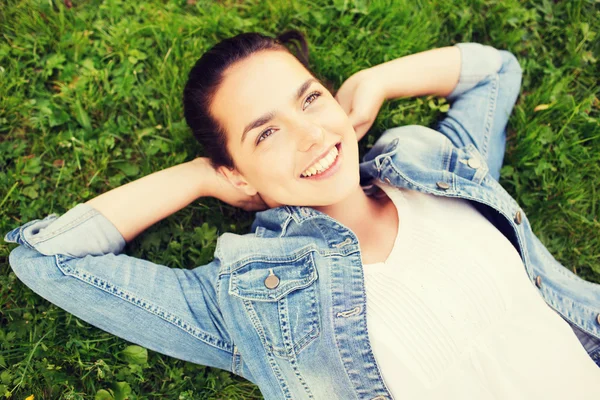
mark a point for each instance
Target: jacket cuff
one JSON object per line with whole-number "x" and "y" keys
{"x": 477, "y": 62}
{"x": 79, "y": 232}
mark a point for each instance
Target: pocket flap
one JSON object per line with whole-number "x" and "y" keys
{"x": 468, "y": 163}
{"x": 248, "y": 281}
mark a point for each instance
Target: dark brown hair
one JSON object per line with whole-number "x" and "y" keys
{"x": 207, "y": 74}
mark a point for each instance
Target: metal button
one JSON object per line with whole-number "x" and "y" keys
{"x": 538, "y": 281}
{"x": 443, "y": 185}
{"x": 387, "y": 181}
{"x": 272, "y": 281}
{"x": 598, "y": 319}
{"x": 518, "y": 218}
{"x": 474, "y": 163}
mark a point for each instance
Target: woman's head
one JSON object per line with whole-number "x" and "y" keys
{"x": 263, "y": 118}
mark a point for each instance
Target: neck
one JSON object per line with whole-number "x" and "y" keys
{"x": 354, "y": 210}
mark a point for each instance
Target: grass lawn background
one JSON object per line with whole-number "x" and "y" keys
{"x": 90, "y": 99}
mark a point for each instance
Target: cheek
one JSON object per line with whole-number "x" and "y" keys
{"x": 276, "y": 167}
{"x": 334, "y": 117}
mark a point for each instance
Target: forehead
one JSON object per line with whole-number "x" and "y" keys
{"x": 263, "y": 82}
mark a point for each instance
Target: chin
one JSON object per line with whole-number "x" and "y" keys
{"x": 339, "y": 193}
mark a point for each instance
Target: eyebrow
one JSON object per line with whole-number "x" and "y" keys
{"x": 270, "y": 115}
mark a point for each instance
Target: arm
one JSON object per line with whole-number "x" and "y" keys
{"x": 482, "y": 101}
{"x": 430, "y": 72}
{"x": 137, "y": 205}
{"x": 481, "y": 82}
{"x": 73, "y": 262}
{"x": 433, "y": 72}
{"x": 104, "y": 224}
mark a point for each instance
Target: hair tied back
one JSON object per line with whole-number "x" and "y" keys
{"x": 297, "y": 40}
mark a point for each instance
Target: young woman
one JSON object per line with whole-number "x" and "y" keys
{"x": 462, "y": 299}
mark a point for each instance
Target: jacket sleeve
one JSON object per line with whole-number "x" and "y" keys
{"x": 482, "y": 101}
{"x": 73, "y": 261}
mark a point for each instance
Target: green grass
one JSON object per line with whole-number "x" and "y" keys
{"x": 90, "y": 98}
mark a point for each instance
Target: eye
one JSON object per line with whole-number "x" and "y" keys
{"x": 312, "y": 97}
{"x": 262, "y": 137}
{"x": 315, "y": 94}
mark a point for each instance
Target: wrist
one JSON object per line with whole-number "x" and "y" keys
{"x": 204, "y": 176}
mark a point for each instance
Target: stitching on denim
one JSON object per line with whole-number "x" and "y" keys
{"x": 21, "y": 229}
{"x": 344, "y": 243}
{"x": 308, "y": 338}
{"x": 285, "y": 224}
{"x": 341, "y": 250}
{"x": 446, "y": 155}
{"x": 315, "y": 319}
{"x": 300, "y": 344}
{"x": 294, "y": 364}
{"x": 303, "y": 283}
{"x": 216, "y": 299}
{"x": 47, "y": 236}
{"x": 288, "y": 342}
{"x": 355, "y": 311}
{"x": 236, "y": 361}
{"x": 336, "y": 329}
{"x": 301, "y": 253}
{"x": 290, "y": 346}
{"x": 251, "y": 313}
{"x": 349, "y": 362}
{"x": 489, "y": 118}
{"x": 374, "y": 367}
{"x": 568, "y": 274}
{"x": 143, "y": 304}
{"x": 482, "y": 171}
{"x": 218, "y": 289}
{"x": 549, "y": 297}
{"x": 286, "y": 334}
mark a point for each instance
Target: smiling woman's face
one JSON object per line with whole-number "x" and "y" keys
{"x": 279, "y": 120}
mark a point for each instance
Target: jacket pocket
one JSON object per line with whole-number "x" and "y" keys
{"x": 280, "y": 298}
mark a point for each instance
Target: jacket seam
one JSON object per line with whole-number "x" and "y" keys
{"x": 489, "y": 118}
{"x": 251, "y": 313}
{"x": 144, "y": 304}
{"x": 45, "y": 237}
{"x": 549, "y": 300}
{"x": 302, "y": 252}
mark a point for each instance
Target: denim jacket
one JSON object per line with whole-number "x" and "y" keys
{"x": 284, "y": 306}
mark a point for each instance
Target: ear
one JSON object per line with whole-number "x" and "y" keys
{"x": 237, "y": 180}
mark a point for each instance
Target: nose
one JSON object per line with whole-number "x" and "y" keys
{"x": 309, "y": 134}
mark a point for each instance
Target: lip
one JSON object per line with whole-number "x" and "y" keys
{"x": 333, "y": 168}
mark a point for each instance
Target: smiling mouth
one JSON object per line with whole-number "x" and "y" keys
{"x": 332, "y": 162}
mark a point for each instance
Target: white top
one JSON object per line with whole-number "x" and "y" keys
{"x": 452, "y": 314}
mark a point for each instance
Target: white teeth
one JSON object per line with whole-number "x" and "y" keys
{"x": 322, "y": 164}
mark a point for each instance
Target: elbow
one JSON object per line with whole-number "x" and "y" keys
{"x": 510, "y": 64}
{"x": 32, "y": 268}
